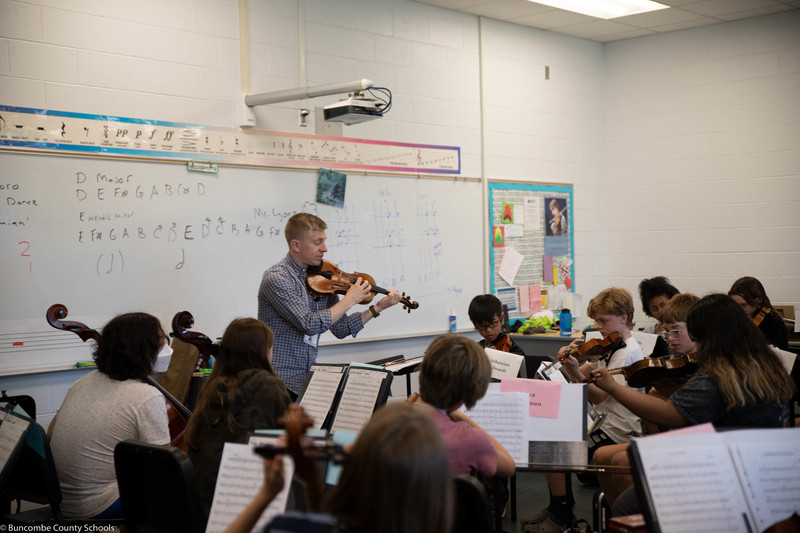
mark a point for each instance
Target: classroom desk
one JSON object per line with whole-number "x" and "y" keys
{"x": 543, "y": 343}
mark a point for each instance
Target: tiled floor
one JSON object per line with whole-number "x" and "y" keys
{"x": 532, "y": 496}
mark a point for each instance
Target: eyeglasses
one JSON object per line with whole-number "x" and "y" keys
{"x": 672, "y": 333}
{"x": 490, "y": 325}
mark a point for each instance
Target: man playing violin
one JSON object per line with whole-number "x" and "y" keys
{"x": 612, "y": 311}
{"x": 295, "y": 316}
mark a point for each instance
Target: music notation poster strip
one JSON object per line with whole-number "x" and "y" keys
{"x": 48, "y": 130}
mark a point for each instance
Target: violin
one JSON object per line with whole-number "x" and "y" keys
{"x": 327, "y": 279}
{"x": 594, "y": 349}
{"x": 649, "y": 370}
{"x": 177, "y": 414}
{"x": 764, "y": 311}
{"x": 296, "y": 422}
{"x": 181, "y": 323}
{"x": 503, "y": 343}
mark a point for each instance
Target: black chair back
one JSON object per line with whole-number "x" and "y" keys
{"x": 23, "y": 400}
{"x": 34, "y": 479}
{"x": 472, "y": 514}
{"x": 158, "y": 489}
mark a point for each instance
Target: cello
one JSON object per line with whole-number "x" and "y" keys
{"x": 327, "y": 279}
{"x": 181, "y": 323}
{"x": 177, "y": 414}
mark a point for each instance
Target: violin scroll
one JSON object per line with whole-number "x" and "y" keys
{"x": 408, "y": 305}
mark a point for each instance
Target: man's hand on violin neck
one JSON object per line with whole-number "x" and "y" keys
{"x": 392, "y": 298}
{"x": 358, "y": 292}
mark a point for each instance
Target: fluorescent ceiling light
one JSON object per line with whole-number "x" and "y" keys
{"x": 604, "y": 9}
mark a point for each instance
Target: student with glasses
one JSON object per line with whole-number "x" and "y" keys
{"x": 486, "y": 312}
{"x": 675, "y": 333}
{"x": 740, "y": 383}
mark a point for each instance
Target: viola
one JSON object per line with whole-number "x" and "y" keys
{"x": 328, "y": 279}
{"x": 306, "y": 456}
{"x": 764, "y": 311}
{"x": 181, "y": 323}
{"x": 649, "y": 370}
{"x": 177, "y": 414}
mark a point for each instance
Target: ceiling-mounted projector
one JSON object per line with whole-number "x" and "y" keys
{"x": 354, "y": 110}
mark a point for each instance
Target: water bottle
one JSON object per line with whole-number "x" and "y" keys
{"x": 452, "y": 320}
{"x": 565, "y": 323}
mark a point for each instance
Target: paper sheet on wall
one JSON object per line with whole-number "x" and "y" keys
{"x": 547, "y": 268}
{"x": 535, "y": 298}
{"x": 508, "y": 296}
{"x": 241, "y": 474}
{"x": 514, "y": 230}
{"x": 533, "y": 214}
{"x": 509, "y": 264}
{"x": 524, "y": 300}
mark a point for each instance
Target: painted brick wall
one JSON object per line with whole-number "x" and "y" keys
{"x": 702, "y": 156}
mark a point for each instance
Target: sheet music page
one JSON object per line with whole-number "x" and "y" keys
{"x": 503, "y": 416}
{"x": 241, "y": 473}
{"x": 318, "y": 396}
{"x": 11, "y": 431}
{"x": 358, "y": 399}
{"x": 768, "y": 462}
{"x": 693, "y": 484}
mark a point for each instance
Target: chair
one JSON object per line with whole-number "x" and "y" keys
{"x": 472, "y": 513}
{"x": 34, "y": 479}
{"x": 158, "y": 489}
{"x": 27, "y": 403}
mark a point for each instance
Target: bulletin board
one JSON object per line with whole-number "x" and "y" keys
{"x": 532, "y": 245}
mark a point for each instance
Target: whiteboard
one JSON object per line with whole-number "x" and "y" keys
{"x": 105, "y": 236}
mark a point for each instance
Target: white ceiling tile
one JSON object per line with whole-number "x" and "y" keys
{"x": 684, "y": 14}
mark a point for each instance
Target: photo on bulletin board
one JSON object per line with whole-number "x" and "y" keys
{"x": 555, "y": 215}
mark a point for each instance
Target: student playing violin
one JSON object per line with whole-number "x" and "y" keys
{"x": 297, "y": 317}
{"x": 485, "y": 312}
{"x": 673, "y": 316}
{"x": 612, "y": 311}
{"x": 242, "y": 394}
{"x": 749, "y": 293}
{"x": 741, "y": 381}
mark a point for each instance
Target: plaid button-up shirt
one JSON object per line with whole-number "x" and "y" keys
{"x": 285, "y": 304}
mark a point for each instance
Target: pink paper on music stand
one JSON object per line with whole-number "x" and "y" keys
{"x": 544, "y": 395}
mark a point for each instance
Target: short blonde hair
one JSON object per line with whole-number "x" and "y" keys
{"x": 300, "y": 223}
{"x": 677, "y": 308}
{"x": 455, "y": 370}
{"x": 612, "y": 301}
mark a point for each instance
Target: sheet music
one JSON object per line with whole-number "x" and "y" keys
{"x": 11, "y": 431}
{"x": 503, "y": 416}
{"x": 358, "y": 399}
{"x": 318, "y": 396}
{"x": 241, "y": 473}
{"x": 769, "y": 471}
{"x": 693, "y": 484}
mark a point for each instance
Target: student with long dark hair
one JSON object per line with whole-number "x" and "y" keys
{"x": 740, "y": 383}
{"x": 749, "y": 293}
{"x": 242, "y": 394}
